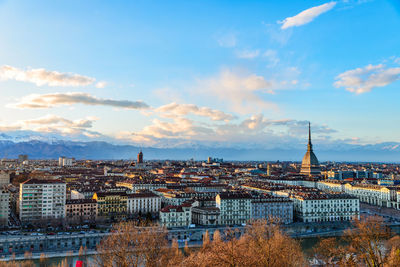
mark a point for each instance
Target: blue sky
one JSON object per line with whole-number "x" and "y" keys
{"x": 177, "y": 73}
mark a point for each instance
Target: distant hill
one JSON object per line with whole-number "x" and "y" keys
{"x": 384, "y": 152}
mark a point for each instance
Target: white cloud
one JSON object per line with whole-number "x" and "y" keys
{"x": 239, "y": 90}
{"x": 101, "y": 84}
{"x": 42, "y": 77}
{"x": 248, "y": 54}
{"x": 60, "y": 99}
{"x": 57, "y": 120}
{"x": 161, "y": 133}
{"x": 306, "y": 16}
{"x": 362, "y": 80}
{"x": 175, "y": 109}
{"x": 54, "y": 124}
{"x": 257, "y": 131}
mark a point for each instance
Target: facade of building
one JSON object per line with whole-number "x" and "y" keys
{"x": 373, "y": 194}
{"x": 144, "y": 202}
{"x": 111, "y": 205}
{"x": 63, "y": 161}
{"x": 205, "y": 216}
{"x": 176, "y": 216}
{"x": 4, "y": 207}
{"x": 310, "y": 164}
{"x": 42, "y": 199}
{"x": 331, "y": 186}
{"x": 274, "y": 208}
{"x": 235, "y": 207}
{"x": 81, "y": 210}
{"x": 4, "y": 178}
{"x": 317, "y": 207}
{"x": 136, "y": 186}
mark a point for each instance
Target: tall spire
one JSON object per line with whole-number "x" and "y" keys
{"x": 310, "y": 164}
{"x": 309, "y": 136}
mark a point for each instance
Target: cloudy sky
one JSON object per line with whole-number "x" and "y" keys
{"x": 177, "y": 73}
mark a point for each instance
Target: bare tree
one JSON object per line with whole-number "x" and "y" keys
{"x": 364, "y": 245}
{"x": 269, "y": 246}
{"x": 367, "y": 241}
{"x": 263, "y": 244}
{"x": 220, "y": 253}
{"x": 133, "y": 245}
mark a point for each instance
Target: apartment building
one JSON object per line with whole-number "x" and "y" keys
{"x": 205, "y": 216}
{"x": 41, "y": 199}
{"x": 373, "y": 194}
{"x": 331, "y": 186}
{"x": 235, "y": 207}
{"x": 81, "y": 210}
{"x": 176, "y": 216}
{"x": 322, "y": 207}
{"x": 275, "y": 208}
{"x": 134, "y": 185}
{"x": 4, "y": 207}
{"x": 111, "y": 205}
{"x": 144, "y": 202}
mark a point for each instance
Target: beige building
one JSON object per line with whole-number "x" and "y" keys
{"x": 111, "y": 205}
{"x": 81, "y": 210}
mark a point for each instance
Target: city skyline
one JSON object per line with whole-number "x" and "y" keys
{"x": 232, "y": 74}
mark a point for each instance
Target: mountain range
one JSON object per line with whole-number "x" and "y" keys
{"x": 39, "y": 149}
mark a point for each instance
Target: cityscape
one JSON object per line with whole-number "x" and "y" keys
{"x": 57, "y": 206}
{"x": 199, "y": 133}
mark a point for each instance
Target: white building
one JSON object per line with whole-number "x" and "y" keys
{"x": 41, "y": 199}
{"x": 177, "y": 216}
{"x": 4, "y": 207}
{"x": 323, "y": 207}
{"x": 331, "y": 186}
{"x": 144, "y": 202}
{"x": 63, "y": 161}
{"x": 235, "y": 207}
{"x": 134, "y": 186}
{"x": 373, "y": 194}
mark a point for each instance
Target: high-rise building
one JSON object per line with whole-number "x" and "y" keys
{"x": 41, "y": 199}
{"x": 140, "y": 157}
{"x": 310, "y": 164}
{"x": 4, "y": 206}
{"x": 63, "y": 161}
